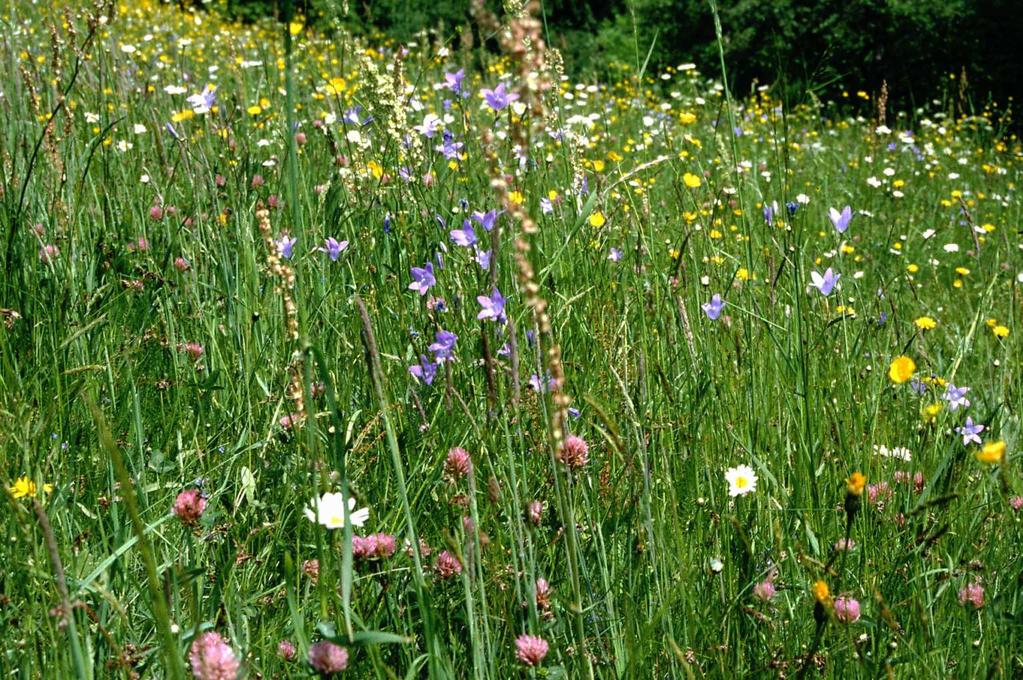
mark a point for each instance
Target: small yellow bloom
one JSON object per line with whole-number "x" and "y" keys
{"x": 336, "y": 86}
{"x": 296, "y": 26}
{"x": 854, "y": 485}
{"x": 901, "y": 370}
{"x": 821, "y": 592}
{"x": 597, "y": 219}
{"x": 1000, "y": 331}
{"x": 23, "y": 486}
{"x": 930, "y": 412}
{"x": 991, "y": 453}
{"x": 254, "y": 110}
{"x": 598, "y": 166}
{"x": 925, "y": 323}
{"x": 516, "y": 197}
{"x": 692, "y": 181}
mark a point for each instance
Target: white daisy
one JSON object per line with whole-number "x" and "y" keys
{"x": 741, "y": 480}
{"x": 328, "y": 510}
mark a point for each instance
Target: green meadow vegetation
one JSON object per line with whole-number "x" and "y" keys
{"x": 323, "y": 356}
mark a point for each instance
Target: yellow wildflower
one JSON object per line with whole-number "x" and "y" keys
{"x": 991, "y": 453}
{"x": 821, "y": 592}
{"x": 854, "y": 485}
{"x": 930, "y": 412}
{"x": 23, "y": 486}
{"x": 901, "y": 370}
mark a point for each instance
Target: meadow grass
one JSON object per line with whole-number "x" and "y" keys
{"x": 653, "y": 482}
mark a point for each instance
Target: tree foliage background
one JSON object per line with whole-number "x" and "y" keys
{"x": 921, "y": 48}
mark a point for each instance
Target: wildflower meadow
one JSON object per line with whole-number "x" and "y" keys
{"x": 336, "y": 356}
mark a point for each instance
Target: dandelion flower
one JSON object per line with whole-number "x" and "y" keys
{"x": 901, "y": 370}
{"x": 854, "y": 485}
{"x": 991, "y": 453}
{"x": 930, "y": 412}
{"x": 821, "y": 592}
{"x": 925, "y": 323}
{"x": 23, "y": 486}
